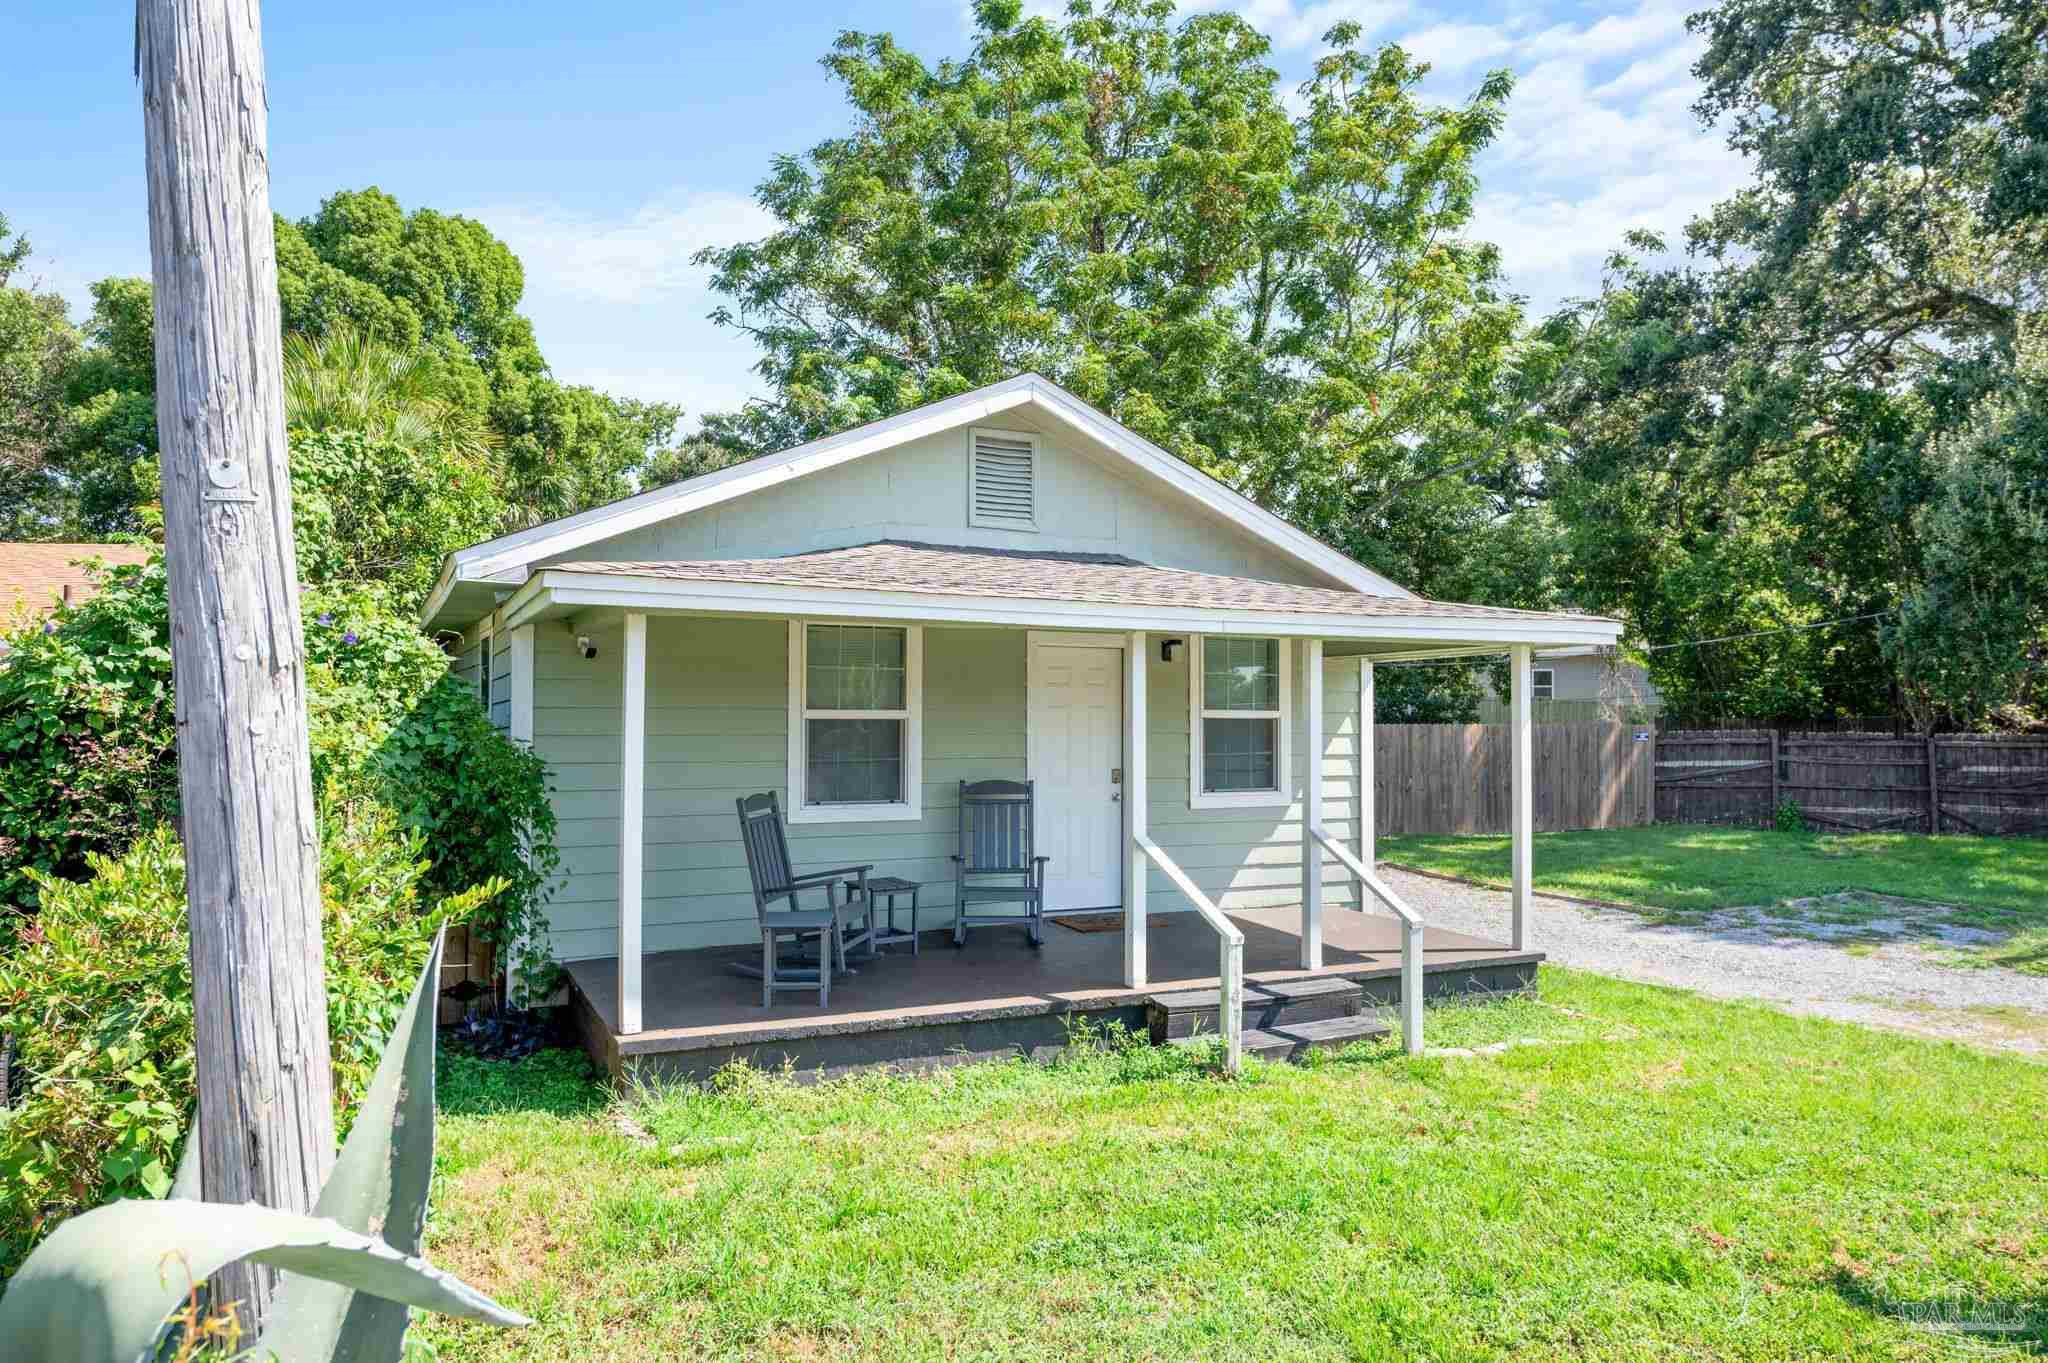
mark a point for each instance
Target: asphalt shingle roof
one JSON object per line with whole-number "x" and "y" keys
{"x": 35, "y": 577}
{"x": 1106, "y": 579}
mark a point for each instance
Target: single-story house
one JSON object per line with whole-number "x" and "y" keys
{"x": 1575, "y": 682}
{"x": 37, "y": 578}
{"x": 1003, "y": 584}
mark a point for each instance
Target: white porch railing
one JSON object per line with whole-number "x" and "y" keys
{"x": 1230, "y": 972}
{"x": 1411, "y": 937}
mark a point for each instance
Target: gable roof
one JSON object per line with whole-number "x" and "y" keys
{"x": 1049, "y": 575}
{"x": 505, "y": 559}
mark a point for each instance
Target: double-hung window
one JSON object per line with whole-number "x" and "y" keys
{"x": 854, "y": 721}
{"x": 1542, "y": 683}
{"x": 1238, "y": 721}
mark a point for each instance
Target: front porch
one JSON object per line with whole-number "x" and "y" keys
{"x": 994, "y": 998}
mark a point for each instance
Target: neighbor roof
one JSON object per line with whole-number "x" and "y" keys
{"x": 1104, "y": 579}
{"x": 40, "y": 576}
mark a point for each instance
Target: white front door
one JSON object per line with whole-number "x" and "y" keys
{"x": 1076, "y": 757}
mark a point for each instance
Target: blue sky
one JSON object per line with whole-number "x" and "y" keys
{"x": 607, "y": 141}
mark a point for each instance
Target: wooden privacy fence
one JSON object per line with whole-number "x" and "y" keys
{"x": 1453, "y": 778}
{"x": 1951, "y": 783}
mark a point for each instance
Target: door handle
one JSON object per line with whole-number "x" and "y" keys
{"x": 1116, "y": 797}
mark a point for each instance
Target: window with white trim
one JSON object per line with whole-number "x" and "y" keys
{"x": 483, "y": 669}
{"x": 854, "y": 721}
{"x": 1238, "y": 721}
{"x": 1542, "y": 683}
{"x": 1002, "y": 480}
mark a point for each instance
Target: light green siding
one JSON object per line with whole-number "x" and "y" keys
{"x": 1087, "y": 502}
{"x": 717, "y": 729}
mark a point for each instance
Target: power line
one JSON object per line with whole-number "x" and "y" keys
{"x": 1762, "y": 633}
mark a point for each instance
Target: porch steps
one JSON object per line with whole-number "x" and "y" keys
{"x": 1278, "y": 1007}
{"x": 1293, "y": 1040}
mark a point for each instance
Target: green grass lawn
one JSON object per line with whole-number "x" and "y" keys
{"x": 2000, "y": 883}
{"x": 1670, "y": 1177}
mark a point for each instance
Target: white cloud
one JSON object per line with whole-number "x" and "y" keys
{"x": 641, "y": 257}
{"x": 1453, "y": 47}
{"x": 618, "y": 304}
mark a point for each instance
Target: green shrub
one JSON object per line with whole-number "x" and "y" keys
{"x": 1787, "y": 817}
{"x": 97, "y": 989}
{"x": 88, "y": 757}
{"x": 86, "y": 732}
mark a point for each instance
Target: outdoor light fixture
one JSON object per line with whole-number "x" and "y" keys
{"x": 586, "y": 646}
{"x": 1166, "y": 648}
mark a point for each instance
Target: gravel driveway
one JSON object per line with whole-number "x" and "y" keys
{"x": 1769, "y": 955}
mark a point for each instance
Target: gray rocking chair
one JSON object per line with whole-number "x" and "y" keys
{"x": 995, "y": 864}
{"x": 840, "y": 927}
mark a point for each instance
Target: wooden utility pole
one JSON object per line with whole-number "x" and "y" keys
{"x": 266, "y": 1110}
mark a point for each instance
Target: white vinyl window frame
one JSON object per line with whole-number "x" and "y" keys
{"x": 1542, "y": 683}
{"x": 483, "y": 681}
{"x": 912, "y": 805}
{"x": 975, "y": 517}
{"x": 1283, "y": 765}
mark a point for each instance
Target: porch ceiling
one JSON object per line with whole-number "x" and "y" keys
{"x": 960, "y": 584}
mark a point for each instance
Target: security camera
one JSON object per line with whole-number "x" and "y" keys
{"x": 586, "y": 646}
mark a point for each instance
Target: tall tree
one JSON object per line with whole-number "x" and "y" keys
{"x": 37, "y": 345}
{"x": 1123, "y": 202}
{"x": 266, "y": 1107}
{"x": 444, "y": 289}
{"x": 1829, "y": 411}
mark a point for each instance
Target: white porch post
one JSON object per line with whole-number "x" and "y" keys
{"x": 1136, "y": 870}
{"x": 1368, "y": 813}
{"x": 1521, "y": 777}
{"x": 520, "y": 730}
{"x": 632, "y": 823}
{"x": 1312, "y": 806}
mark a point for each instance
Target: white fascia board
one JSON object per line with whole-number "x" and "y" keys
{"x": 1226, "y": 502}
{"x": 509, "y": 553}
{"x": 680, "y": 499}
{"x": 549, "y": 589}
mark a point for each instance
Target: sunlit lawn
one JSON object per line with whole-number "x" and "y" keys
{"x": 1668, "y": 1178}
{"x": 2000, "y": 883}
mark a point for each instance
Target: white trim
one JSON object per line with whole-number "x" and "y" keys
{"x": 1041, "y": 639}
{"x": 483, "y": 678}
{"x": 1368, "y": 759}
{"x": 1030, "y": 439}
{"x": 1282, "y": 793}
{"x": 510, "y": 553}
{"x": 912, "y": 715}
{"x": 1312, "y": 806}
{"x": 1065, "y": 638}
{"x": 1461, "y": 635}
{"x": 520, "y": 726}
{"x": 1137, "y": 670}
{"x": 632, "y": 817}
{"x": 1521, "y": 785}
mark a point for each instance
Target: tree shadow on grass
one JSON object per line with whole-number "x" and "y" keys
{"x": 559, "y": 1082}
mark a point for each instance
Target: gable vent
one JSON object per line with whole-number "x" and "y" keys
{"x": 1001, "y": 495}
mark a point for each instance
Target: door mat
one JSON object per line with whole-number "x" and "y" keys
{"x": 1107, "y": 922}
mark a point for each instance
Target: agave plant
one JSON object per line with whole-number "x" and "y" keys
{"x": 104, "y": 1284}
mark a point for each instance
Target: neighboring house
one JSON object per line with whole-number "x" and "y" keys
{"x": 1003, "y": 584}
{"x": 1581, "y": 683}
{"x": 35, "y": 579}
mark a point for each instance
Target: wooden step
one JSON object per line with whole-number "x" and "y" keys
{"x": 1276, "y": 1003}
{"x": 1296, "y": 1039}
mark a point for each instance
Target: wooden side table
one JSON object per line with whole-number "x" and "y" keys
{"x": 887, "y": 888}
